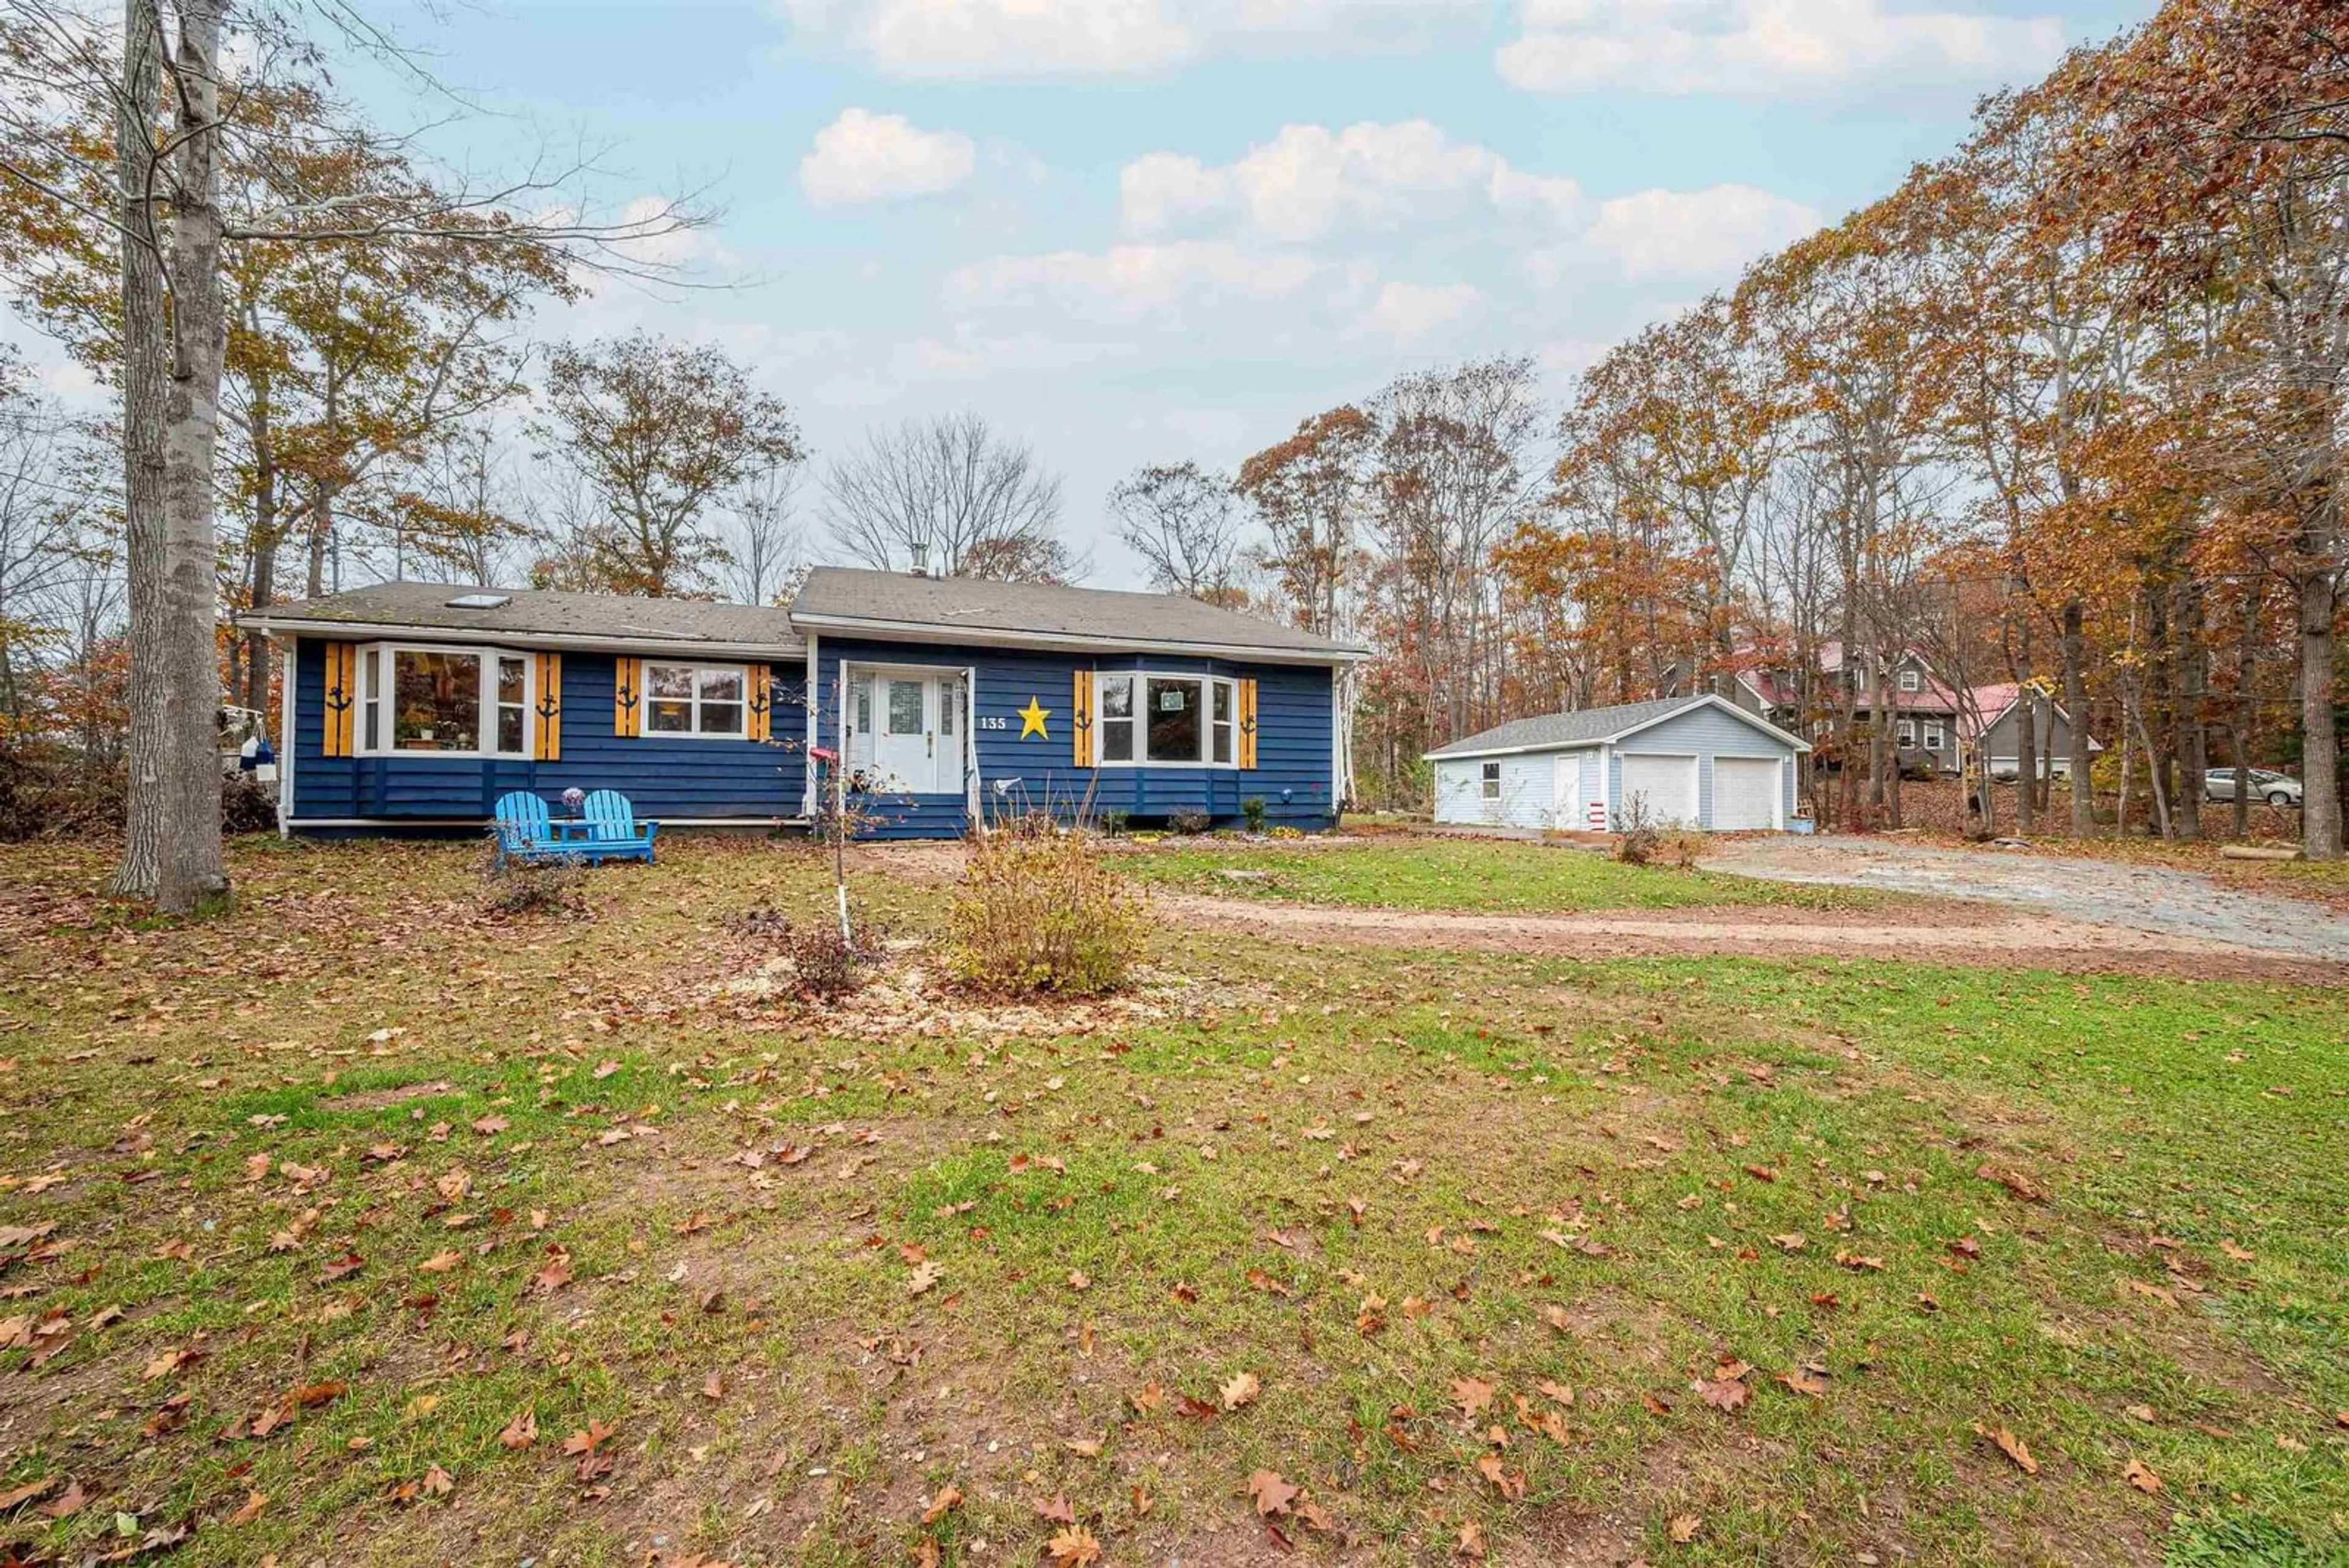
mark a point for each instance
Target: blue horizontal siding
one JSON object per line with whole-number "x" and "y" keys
{"x": 1292, "y": 776}
{"x": 668, "y": 780}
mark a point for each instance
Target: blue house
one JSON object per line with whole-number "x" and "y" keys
{"x": 414, "y": 706}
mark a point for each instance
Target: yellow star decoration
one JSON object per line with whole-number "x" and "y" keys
{"x": 1031, "y": 720}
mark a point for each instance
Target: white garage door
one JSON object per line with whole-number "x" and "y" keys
{"x": 1744, "y": 793}
{"x": 1667, "y": 784}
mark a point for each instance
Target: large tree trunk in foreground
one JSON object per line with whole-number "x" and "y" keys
{"x": 171, "y": 851}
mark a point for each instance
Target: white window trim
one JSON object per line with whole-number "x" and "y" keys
{"x": 1911, "y": 681}
{"x": 1141, "y": 719}
{"x": 645, "y": 698}
{"x": 1907, "y": 730}
{"x": 1936, "y": 737}
{"x": 1495, "y": 781}
{"x": 387, "y": 682}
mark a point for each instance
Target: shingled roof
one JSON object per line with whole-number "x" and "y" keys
{"x": 1588, "y": 726}
{"x": 539, "y": 612}
{"x": 966, "y": 609}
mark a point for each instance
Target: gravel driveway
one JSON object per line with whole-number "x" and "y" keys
{"x": 2136, "y": 897}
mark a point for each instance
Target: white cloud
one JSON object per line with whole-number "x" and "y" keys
{"x": 1763, "y": 46}
{"x": 1060, "y": 37}
{"x": 1131, "y": 283}
{"x": 866, "y": 157}
{"x": 1696, "y": 234}
{"x": 1309, "y": 181}
{"x": 1410, "y": 311}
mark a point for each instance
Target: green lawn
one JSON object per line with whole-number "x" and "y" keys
{"x": 814, "y": 1269}
{"x": 1435, "y": 873}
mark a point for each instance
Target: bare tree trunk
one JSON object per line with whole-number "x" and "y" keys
{"x": 2320, "y": 746}
{"x": 2246, "y": 665}
{"x": 2186, "y": 692}
{"x": 2076, "y": 707}
{"x": 171, "y": 851}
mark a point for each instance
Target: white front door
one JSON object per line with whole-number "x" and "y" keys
{"x": 905, "y": 745}
{"x": 907, "y": 729}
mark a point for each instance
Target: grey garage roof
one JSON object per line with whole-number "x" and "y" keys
{"x": 1590, "y": 726}
{"x": 540, "y": 613}
{"x": 965, "y": 608}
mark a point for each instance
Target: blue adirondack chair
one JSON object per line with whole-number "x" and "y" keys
{"x": 614, "y": 831}
{"x": 525, "y": 831}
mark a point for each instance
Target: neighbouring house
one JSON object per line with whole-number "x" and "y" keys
{"x": 1924, "y": 709}
{"x": 1700, "y": 761}
{"x": 414, "y": 706}
{"x": 1999, "y": 739}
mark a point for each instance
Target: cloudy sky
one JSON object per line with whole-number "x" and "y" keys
{"x": 1137, "y": 231}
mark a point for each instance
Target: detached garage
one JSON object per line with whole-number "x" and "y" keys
{"x": 1694, "y": 761}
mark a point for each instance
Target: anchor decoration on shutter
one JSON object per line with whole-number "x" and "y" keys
{"x": 341, "y": 697}
{"x": 1248, "y": 723}
{"x": 1081, "y": 721}
{"x": 550, "y": 708}
{"x": 627, "y": 697}
{"x": 762, "y": 703}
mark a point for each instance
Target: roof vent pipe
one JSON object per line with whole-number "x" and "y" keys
{"x": 921, "y": 560}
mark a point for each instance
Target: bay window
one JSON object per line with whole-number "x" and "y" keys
{"x": 450, "y": 702}
{"x": 1145, "y": 720}
{"x": 695, "y": 700}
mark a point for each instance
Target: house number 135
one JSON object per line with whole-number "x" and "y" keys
{"x": 991, "y": 722}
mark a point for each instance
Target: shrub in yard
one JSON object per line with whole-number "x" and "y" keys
{"x": 1252, "y": 808}
{"x": 1038, "y": 910}
{"x": 1190, "y": 822}
{"x": 824, "y": 965}
{"x": 1638, "y": 837}
{"x": 518, "y": 887}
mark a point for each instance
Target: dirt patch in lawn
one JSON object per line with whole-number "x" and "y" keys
{"x": 1994, "y": 939}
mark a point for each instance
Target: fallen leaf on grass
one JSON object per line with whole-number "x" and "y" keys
{"x": 2138, "y": 1475}
{"x": 1058, "y": 1510}
{"x": 1509, "y": 1483}
{"x": 1084, "y": 1447}
{"x": 1149, "y": 1397}
{"x": 2015, "y": 1182}
{"x": 1241, "y": 1390}
{"x": 1684, "y": 1528}
{"x": 926, "y": 1273}
{"x": 585, "y": 1444}
{"x": 251, "y": 1510}
{"x": 1471, "y": 1393}
{"x": 1472, "y": 1539}
{"x": 949, "y": 1499}
{"x": 1726, "y": 1395}
{"x": 522, "y": 1431}
{"x": 2012, "y": 1447}
{"x": 1272, "y": 1494}
{"x": 1073, "y": 1547}
{"x": 66, "y": 1504}
{"x": 26, "y": 1493}
{"x": 441, "y": 1262}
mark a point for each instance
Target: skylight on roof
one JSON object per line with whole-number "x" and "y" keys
{"x": 481, "y": 601}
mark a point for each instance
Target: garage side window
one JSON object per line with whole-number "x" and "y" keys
{"x": 1492, "y": 781}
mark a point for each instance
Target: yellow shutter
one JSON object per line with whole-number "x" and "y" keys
{"x": 1248, "y": 723}
{"x": 550, "y": 708}
{"x": 1080, "y": 720}
{"x": 628, "y": 698}
{"x": 341, "y": 689}
{"x": 761, "y": 699}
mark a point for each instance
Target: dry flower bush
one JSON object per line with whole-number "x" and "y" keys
{"x": 1038, "y": 910}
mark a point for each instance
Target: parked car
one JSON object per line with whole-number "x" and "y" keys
{"x": 2276, "y": 789}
